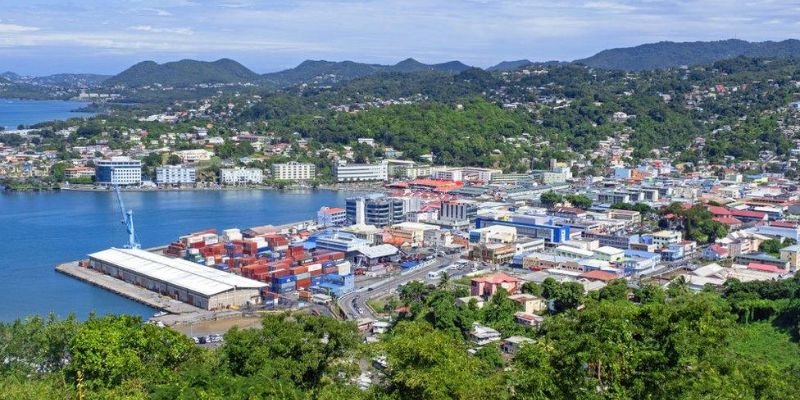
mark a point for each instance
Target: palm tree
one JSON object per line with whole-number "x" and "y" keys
{"x": 444, "y": 280}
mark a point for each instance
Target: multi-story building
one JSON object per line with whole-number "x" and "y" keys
{"x": 294, "y": 171}
{"x": 458, "y": 210}
{"x": 120, "y": 171}
{"x": 241, "y": 176}
{"x": 361, "y": 172}
{"x": 175, "y": 175}
{"x": 79, "y": 172}
{"x": 331, "y": 216}
{"x": 665, "y": 238}
{"x": 193, "y": 156}
{"x": 374, "y": 210}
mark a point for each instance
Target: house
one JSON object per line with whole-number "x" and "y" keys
{"x": 483, "y": 335}
{"x": 715, "y": 252}
{"x": 530, "y": 303}
{"x": 487, "y": 286}
{"x": 512, "y": 344}
{"x": 791, "y": 254}
{"x": 528, "y": 319}
{"x": 602, "y": 276}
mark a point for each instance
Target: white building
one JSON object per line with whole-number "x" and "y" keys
{"x": 118, "y": 171}
{"x": 241, "y": 176}
{"x": 175, "y": 175}
{"x": 361, "y": 172}
{"x": 448, "y": 174}
{"x": 192, "y": 156}
{"x": 294, "y": 171}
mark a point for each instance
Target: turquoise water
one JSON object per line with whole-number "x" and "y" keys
{"x": 14, "y": 112}
{"x": 40, "y": 230}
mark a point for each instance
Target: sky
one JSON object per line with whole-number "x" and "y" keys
{"x": 39, "y": 37}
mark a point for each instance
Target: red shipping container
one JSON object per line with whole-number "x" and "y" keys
{"x": 304, "y": 283}
{"x": 280, "y": 273}
{"x": 299, "y": 270}
{"x": 316, "y": 272}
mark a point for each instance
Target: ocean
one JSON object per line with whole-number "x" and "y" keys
{"x": 14, "y": 112}
{"x": 40, "y": 230}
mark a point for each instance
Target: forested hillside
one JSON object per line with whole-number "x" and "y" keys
{"x": 647, "y": 343}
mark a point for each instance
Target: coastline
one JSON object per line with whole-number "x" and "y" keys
{"x": 331, "y": 188}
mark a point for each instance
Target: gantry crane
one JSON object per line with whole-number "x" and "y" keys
{"x": 127, "y": 220}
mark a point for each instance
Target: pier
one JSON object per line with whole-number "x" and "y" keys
{"x": 128, "y": 290}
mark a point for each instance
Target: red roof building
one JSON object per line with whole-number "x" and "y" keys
{"x": 598, "y": 275}
{"x": 487, "y": 286}
{"x": 765, "y": 268}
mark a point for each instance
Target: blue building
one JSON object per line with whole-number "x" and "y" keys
{"x": 550, "y": 233}
{"x": 120, "y": 171}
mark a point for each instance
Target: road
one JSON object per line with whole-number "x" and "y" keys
{"x": 356, "y": 301}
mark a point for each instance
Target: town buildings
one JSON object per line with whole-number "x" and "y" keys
{"x": 119, "y": 171}
{"x": 241, "y": 176}
{"x": 176, "y": 175}
{"x": 294, "y": 171}
{"x": 361, "y": 172}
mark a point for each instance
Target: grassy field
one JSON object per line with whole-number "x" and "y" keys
{"x": 761, "y": 342}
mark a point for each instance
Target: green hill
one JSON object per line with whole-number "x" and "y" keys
{"x": 671, "y": 54}
{"x": 330, "y": 72}
{"x": 183, "y": 73}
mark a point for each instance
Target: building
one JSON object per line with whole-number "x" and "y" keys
{"x": 412, "y": 233}
{"x": 665, "y": 238}
{"x": 487, "y": 286}
{"x": 512, "y": 344}
{"x": 493, "y": 234}
{"x": 241, "y": 176}
{"x": 608, "y": 253}
{"x": 361, "y": 172}
{"x": 79, "y": 172}
{"x": 792, "y": 255}
{"x": 550, "y": 233}
{"x": 175, "y": 175}
{"x": 294, "y": 171}
{"x": 763, "y": 259}
{"x": 495, "y": 253}
{"x": 374, "y": 210}
{"x": 193, "y": 156}
{"x": 530, "y": 303}
{"x": 483, "y": 335}
{"x": 330, "y": 216}
{"x": 447, "y": 174}
{"x": 120, "y": 171}
{"x": 458, "y": 210}
{"x": 206, "y": 288}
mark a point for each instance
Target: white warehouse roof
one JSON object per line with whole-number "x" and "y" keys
{"x": 185, "y": 274}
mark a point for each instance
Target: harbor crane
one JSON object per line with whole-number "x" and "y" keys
{"x": 127, "y": 220}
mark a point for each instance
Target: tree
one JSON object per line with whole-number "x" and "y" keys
{"x": 579, "y": 200}
{"x": 568, "y": 296}
{"x": 771, "y": 246}
{"x": 614, "y": 290}
{"x": 437, "y": 367}
{"x": 550, "y": 198}
{"x": 57, "y": 171}
{"x": 174, "y": 159}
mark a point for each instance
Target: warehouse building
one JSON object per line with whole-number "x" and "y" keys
{"x": 200, "y": 286}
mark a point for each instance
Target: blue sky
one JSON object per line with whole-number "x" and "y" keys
{"x": 106, "y": 36}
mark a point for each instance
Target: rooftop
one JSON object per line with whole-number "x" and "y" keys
{"x": 186, "y": 274}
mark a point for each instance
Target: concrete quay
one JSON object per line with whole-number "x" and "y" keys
{"x": 128, "y": 290}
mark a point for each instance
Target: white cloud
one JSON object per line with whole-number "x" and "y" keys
{"x": 152, "y": 29}
{"x": 13, "y": 28}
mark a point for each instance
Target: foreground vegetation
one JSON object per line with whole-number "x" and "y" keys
{"x": 643, "y": 344}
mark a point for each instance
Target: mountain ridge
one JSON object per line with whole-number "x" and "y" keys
{"x": 667, "y": 54}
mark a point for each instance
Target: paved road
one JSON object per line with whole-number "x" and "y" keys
{"x": 354, "y": 302}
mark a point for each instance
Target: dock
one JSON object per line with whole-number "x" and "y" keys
{"x": 127, "y": 290}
